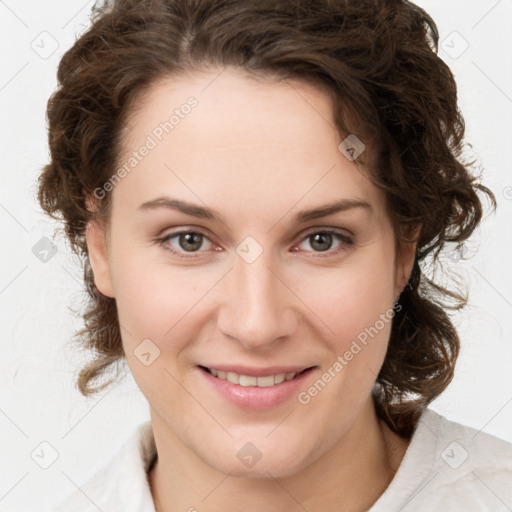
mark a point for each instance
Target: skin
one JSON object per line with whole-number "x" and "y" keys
{"x": 258, "y": 152}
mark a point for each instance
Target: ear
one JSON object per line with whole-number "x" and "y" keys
{"x": 406, "y": 255}
{"x": 96, "y": 240}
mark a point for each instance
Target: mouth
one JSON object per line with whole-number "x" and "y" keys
{"x": 256, "y": 389}
{"x": 264, "y": 379}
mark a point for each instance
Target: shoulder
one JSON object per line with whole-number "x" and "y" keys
{"x": 450, "y": 467}
{"x": 468, "y": 449}
{"x": 122, "y": 483}
{"x": 471, "y": 463}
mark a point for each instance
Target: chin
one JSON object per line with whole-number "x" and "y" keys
{"x": 262, "y": 469}
{"x": 259, "y": 459}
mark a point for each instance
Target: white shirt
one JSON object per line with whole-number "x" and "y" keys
{"x": 447, "y": 467}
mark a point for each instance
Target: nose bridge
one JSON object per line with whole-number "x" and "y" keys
{"x": 256, "y": 310}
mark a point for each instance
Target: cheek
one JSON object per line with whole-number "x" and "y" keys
{"x": 144, "y": 301}
{"x": 156, "y": 300}
{"x": 154, "y": 303}
{"x": 352, "y": 299}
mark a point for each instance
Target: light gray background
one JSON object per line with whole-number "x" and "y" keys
{"x": 39, "y": 402}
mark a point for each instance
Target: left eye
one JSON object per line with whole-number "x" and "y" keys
{"x": 322, "y": 241}
{"x": 188, "y": 241}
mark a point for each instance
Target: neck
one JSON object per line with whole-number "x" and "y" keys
{"x": 349, "y": 477}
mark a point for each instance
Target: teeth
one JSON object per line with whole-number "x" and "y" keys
{"x": 248, "y": 380}
{"x": 266, "y": 382}
{"x": 245, "y": 380}
{"x": 279, "y": 378}
{"x": 233, "y": 377}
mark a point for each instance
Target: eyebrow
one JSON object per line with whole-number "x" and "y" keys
{"x": 203, "y": 212}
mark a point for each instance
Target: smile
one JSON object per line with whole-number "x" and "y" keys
{"x": 256, "y": 388}
{"x": 266, "y": 381}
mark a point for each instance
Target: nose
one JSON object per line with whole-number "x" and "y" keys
{"x": 257, "y": 307}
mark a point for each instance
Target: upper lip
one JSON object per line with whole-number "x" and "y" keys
{"x": 253, "y": 371}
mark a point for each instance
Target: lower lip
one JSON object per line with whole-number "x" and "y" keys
{"x": 254, "y": 397}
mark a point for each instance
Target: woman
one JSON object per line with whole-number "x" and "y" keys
{"x": 260, "y": 190}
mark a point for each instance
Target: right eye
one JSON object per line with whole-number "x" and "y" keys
{"x": 186, "y": 242}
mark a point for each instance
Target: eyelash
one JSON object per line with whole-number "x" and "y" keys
{"x": 338, "y": 235}
{"x": 341, "y": 237}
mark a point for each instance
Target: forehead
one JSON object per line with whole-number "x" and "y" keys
{"x": 221, "y": 133}
{"x": 231, "y": 105}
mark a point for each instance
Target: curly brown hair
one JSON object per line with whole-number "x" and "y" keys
{"x": 376, "y": 58}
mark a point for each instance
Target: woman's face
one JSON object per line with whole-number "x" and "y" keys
{"x": 245, "y": 249}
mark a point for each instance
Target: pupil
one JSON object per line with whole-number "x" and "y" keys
{"x": 321, "y": 241}
{"x": 191, "y": 241}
